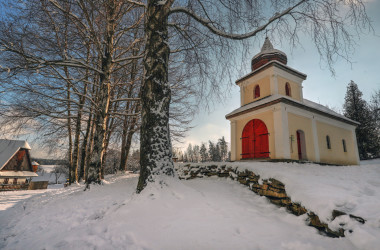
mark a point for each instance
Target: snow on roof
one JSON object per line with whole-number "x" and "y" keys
{"x": 34, "y": 163}
{"x": 280, "y": 64}
{"x": 307, "y": 103}
{"x": 8, "y": 148}
{"x": 325, "y": 109}
{"x": 13, "y": 174}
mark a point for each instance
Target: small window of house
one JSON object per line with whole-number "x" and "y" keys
{"x": 15, "y": 181}
{"x": 328, "y": 142}
{"x": 257, "y": 91}
{"x": 6, "y": 180}
{"x": 344, "y": 145}
{"x": 287, "y": 89}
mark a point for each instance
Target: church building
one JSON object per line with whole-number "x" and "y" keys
{"x": 276, "y": 122}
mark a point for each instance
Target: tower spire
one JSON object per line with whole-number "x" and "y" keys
{"x": 267, "y": 46}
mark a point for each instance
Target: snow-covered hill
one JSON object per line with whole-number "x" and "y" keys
{"x": 208, "y": 213}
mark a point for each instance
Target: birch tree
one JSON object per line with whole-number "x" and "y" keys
{"x": 102, "y": 27}
{"x": 211, "y": 26}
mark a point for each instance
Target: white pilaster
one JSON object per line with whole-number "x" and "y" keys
{"x": 315, "y": 139}
{"x": 274, "y": 84}
{"x": 281, "y": 133}
{"x": 233, "y": 141}
{"x": 356, "y": 147}
{"x": 301, "y": 94}
{"x": 242, "y": 95}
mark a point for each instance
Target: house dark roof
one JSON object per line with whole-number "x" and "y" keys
{"x": 8, "y": 148}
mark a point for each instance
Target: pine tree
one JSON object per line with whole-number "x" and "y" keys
{"x": 196, "y": 153}
{"x": 190, "y": 153}
{"x": 357, "y": 109}
{"x": 223, "y": 148}
{"x": 375, "y": 111}
{"x": 203, "y": 153}
{"x": 211, "y": 150}
{"x": 217, "y": 156}
{"x": 185, "y": 158}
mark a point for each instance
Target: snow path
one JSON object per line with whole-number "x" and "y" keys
{"x": 210, "y": 213}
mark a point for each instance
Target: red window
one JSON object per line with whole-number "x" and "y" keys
{"x": 15, "y": 181}
{"x": 287, "y": 89}
{"x": 257, "y": 91}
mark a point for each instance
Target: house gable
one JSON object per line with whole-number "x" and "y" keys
{"x": 19, "y": 162}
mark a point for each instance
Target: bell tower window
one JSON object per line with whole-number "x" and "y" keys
{"x": 287, "y": 89}
{"x": 257, "y": 91}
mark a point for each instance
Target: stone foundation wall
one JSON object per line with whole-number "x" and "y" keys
{"x": 271, "y": 188}
{"x": 12, "y": 187}
{"x": 38, "y": 185}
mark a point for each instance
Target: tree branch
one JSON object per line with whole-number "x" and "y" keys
{"x": 208, "y": 24}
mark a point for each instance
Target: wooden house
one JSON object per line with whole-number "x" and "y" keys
{"x": 15, "y": 165}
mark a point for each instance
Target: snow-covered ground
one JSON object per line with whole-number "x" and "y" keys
{"x": 208, "y": 213}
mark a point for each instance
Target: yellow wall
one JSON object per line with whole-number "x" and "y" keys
{"x": 248, "y": 90}
{"x": 335, "y": 154}
{"x": 294, "y": 87}
{"x": 267, "y": 118}
{"x": 295, "y": 123}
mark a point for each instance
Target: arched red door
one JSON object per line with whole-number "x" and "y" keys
{"x": 301, "y": 145}
{"x": 255, "y": 141}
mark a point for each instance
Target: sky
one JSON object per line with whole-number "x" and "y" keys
{"x": 320, "y": 86}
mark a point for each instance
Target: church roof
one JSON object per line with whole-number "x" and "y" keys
{"x": 268, "y": 48}
{"x": 278, "y": 65}
{"x": 267, "y": 54}
{"x": 8, "y": 148}
{"x": 306, "y": 104}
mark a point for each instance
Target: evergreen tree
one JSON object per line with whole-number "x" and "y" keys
{"x": 211, "y": 150}
{"x": 217, "y": 156}
{"x": 357, "y": 109}
{"x": 196, "y": 153}
{"x": 223, "y": 148}
{"x": 185, "y": 157}
{"x": 190, "y": 154}
{"x": 203, "y": 153}
{"x": 375, "y": 111}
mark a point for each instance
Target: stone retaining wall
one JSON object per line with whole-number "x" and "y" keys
{"x": 273, "y": 189}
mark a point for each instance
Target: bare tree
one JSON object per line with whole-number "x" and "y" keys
{"x": 58, "y": 171}
{"x": 79, "y": 44}
{"x": 211, "y": 26}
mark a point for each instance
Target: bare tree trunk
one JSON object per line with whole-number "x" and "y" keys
{"x": 89, "y": 148}
{"x": 84, "y": 148}
{"x": 123, "y": 156}
{"x": 101, "y": 117}
{"x": 77, "y": 135}
{"x": 131, "y": 132}
{"x": 155, "y": 145}
{"x": 69, "y": 131}
{"x": 128, "y": 127}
